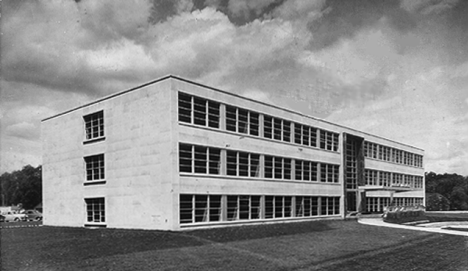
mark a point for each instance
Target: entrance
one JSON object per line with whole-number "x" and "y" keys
{"x": 354, "y": 170}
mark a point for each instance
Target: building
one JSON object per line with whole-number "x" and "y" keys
{"x": 173, "y": 154}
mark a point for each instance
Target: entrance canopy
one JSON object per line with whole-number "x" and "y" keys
{"x": 395, "y": 189}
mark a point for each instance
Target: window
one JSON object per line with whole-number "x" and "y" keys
{"x": 243, "y": 207}
{"x": 329, "y": 140}
{"x": 232, "y": 208}
{"x": 277, "y": 129}
{"x": 185, "y": 108}
{"x": 305, "y": 135}
{"x": 329, "y": 206}
{"x": 198, "y": 111}
{"x": 278, "y": 206}
{"x": 199, "y": 208}
{"x": 199, "y": 159}
{"x": 277, "y": 167}
{"x": 242, "y": 164}
{"x": 214, "y": 208}
{"x": 329, "y": 173}
{"x": 306, "y": 206}
{"x": 242, "y": 121}
{"x": 94, "y": 125}
{"x": 372, "y": 204}
{"x": 95, "y": 210}
{"x": 95, "y": 167}
{"x": 306, "y": 170}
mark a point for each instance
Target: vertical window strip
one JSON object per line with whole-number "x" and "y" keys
{"x": 254, "y": 123}
{"x": 213, "y": 114}
{"x": 268, "y": 127}
{"x": 231, "y": 118}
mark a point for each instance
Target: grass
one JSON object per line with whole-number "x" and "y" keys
{"x": 316, "y": 245}
{"x": 446, "y": 216}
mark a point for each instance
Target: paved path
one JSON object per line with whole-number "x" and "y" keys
{"x": 378, "y": 222}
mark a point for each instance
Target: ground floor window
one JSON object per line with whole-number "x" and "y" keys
{"x": 378, "y": 204}
{"x": 307, "y": 206}
{"x": 95, "y": 210}
{"x": 200, "y": 208}
{"x": 214, "y": 208}
{"x": 278, "y": 206}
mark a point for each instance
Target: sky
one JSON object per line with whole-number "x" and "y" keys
{"x": 394, "y": 68}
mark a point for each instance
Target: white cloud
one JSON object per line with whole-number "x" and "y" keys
{"x": 378, "y": 79}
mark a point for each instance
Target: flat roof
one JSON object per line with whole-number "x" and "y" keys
{"x": 170, "y": 76}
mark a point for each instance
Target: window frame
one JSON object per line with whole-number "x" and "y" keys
{"x": 277, "y": 168}
{"x": 193, "y": 159}
{"x": 90, "y": 128}
{"x": 198, "y": 111}
{"x": 101, "y": 216}
{"x": 90, "y": 165}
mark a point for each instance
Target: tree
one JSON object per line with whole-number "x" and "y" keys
{"x": 437, "y": 202}
{"x": 22, "y": 186}
{"x": 458, "y": 199}
{"x": 453, "y": 187}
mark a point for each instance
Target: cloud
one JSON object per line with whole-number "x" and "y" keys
{"x": 18, "y": 152}
{"x": 244, "y": 8}
{"x": 427, "y": 6}
{"x": 24, "y": 130}
{"x": 373, "y": 65}
{"x": 297, "y": 9}
{"x": 110, "y": 20}
{"x": 257, "y": 95}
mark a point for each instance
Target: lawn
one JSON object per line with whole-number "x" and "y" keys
{"x": 315, "y": 245}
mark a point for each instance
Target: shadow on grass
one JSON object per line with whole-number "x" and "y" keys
{"x": 61, "y": 244}
{"x": 415, "y": 255}
{"x": 251, "y": 232}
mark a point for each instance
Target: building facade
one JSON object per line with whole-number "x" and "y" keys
{"x": 173, "y": 154}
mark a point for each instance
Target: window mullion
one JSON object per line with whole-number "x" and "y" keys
{"x": 249, "y": 167}
{"x": 207, "y": 162}
{"x": 192, "y": 110}
{"x": 193, "y": 158}
{"x": 207, "y": 113}
{"x": 237, "y": 121}
{"x": 283, "y": 166}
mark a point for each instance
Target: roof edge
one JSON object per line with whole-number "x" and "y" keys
{"x": 293, "y": 111}
{"x": 111, "y": 96}
{"x": 171, "y": 76}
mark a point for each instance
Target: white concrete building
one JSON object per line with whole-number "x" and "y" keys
{"x": 174, "y": 154}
